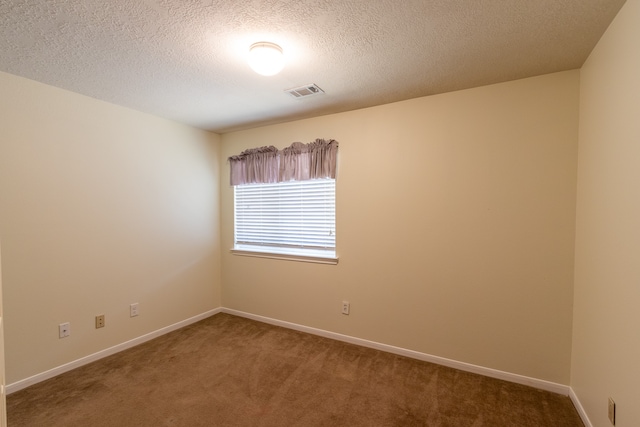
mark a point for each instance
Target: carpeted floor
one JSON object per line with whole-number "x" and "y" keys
{"x": 231, "y": 371}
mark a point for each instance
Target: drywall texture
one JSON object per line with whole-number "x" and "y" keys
{"x": 455, "y": 227}
{"x": 606, "y": 343}
{"x": 100, "y": 207}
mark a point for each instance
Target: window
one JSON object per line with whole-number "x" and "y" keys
{"x": 284, "y": 201}
{"x": 291, "y": 220}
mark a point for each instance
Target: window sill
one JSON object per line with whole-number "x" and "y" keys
{"x": 286, "y": 257}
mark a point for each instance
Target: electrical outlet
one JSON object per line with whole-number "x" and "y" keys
{"x": 64, "y": 330}
{"x": 345, "y": 307}
{"x": 133, "y": 310}
{"x": 612, "y": 411}
{"x": 100, "y": 321}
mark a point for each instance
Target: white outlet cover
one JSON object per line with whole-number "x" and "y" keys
{"x": 345, "y": 307}
{"x": 64, "y": 330}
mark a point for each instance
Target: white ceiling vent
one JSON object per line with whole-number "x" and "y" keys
{"x": 305, "y": 91}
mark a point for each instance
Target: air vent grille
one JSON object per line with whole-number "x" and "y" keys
{"x": 305, "y": 91}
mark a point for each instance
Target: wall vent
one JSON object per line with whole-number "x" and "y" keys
{"x": 305, "y": 91}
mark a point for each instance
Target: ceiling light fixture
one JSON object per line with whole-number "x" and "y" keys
{"x": 266, "y": 58}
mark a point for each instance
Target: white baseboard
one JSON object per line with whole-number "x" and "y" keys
{"x": 579, "y": 408}
{"x": 19, "y": 385}
{"x": 493, "y": 373}
{"x": 488, "y": 372}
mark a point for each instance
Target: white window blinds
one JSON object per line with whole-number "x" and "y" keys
{"x": 294, "y": 217}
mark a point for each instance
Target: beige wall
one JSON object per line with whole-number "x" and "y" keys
{"x": 606, "y": 338}
{"x": 100, "y": 206}
{"x": 455, "y": 227}
{"x": 3, "y": 383}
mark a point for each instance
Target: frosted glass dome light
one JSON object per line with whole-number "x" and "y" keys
{"x": 266, "y": 58}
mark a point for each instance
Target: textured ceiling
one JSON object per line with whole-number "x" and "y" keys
{"x": 186, "y": 59}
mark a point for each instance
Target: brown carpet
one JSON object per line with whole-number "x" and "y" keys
{"x": 230, "y": 371}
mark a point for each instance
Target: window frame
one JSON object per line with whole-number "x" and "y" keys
{"x": 283, "y": 252}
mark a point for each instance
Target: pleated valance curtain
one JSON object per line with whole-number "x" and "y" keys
{"x": 298, "y": 162}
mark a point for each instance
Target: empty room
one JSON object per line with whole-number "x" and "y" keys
{"x": 320, "y": 213}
